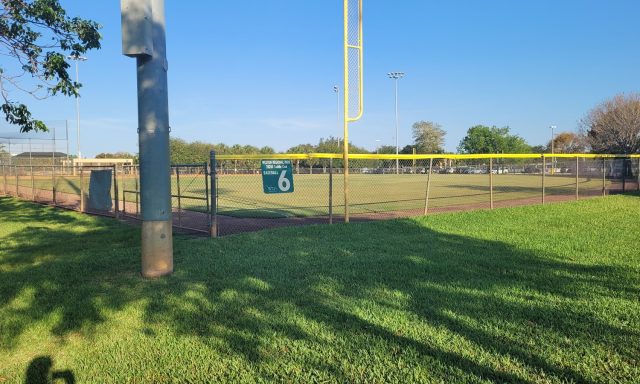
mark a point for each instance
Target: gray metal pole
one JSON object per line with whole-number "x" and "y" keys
{"x": 213, "y": 214}
{"x": 143, "y": 37}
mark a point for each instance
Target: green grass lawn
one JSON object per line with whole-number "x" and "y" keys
{"x": 538, "y": 294}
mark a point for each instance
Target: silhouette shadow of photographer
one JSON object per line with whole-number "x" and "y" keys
{"x": 39, "y": 372}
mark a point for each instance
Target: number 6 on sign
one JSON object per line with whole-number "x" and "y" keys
{"x": 283, "y": 183}
{"x": 277, "y": 176}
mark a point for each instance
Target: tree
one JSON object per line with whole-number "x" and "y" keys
{"x": 539, "y": 149}
{"x": 614, "y": 125}
{"x": 386, "y": 150}
{"x": 40, "y": 36}
{"x": 568, "y": 142}
{"x": 483, "y": 139}
{"x": 428, "y": 137}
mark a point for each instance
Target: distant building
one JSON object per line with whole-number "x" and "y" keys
{"x": 39, "y": 158}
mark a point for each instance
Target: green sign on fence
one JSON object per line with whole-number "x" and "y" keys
{"x": 277, "y": 176}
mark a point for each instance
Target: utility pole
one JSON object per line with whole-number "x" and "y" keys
{"x": 77, "y": 59}
{"x": 396, "y": 76}
{"x": 143, "y": 38}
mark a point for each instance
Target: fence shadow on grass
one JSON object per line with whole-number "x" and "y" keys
{"x": 359, "y": 295}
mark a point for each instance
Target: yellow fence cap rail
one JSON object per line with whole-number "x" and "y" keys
{"x": 451, "y": 156}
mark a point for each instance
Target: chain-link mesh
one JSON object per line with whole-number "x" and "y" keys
{"x": 380, "y": 188}
{"x": 353, "y": 20}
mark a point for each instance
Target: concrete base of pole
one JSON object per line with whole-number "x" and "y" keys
{"x": 157, "y": 248}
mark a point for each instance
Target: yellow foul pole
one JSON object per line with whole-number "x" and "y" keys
{"x": 351, "y": 44}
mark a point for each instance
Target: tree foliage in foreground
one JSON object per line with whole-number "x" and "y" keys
{"x": 38, "y": 35}
{"x": 614, "y": 125}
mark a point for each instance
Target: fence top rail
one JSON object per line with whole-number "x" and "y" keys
{"x": 310, "y": 156}
{"x": 59, "y": 166}
{"x": 189, "y": 165}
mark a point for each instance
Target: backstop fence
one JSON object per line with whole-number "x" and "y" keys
{"x": 227, "y": 195}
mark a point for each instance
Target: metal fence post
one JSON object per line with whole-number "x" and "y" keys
{"x": 330, "y": 191}
{"x": 137, "y": 193}
{"x": 15, "y": 168}
{"x": 577, "y": 180}
{"x": 544, "y": 170}
{"x": 53, "y": 180}
{"x": 4, "y": 176}
{"x": 491, "y": 182}
{"x": 213, "y": 213}
{"x": 82, "y": 207}
{"x": 604, "y": 177}
{"x": 33, "y": 185}
{"x": 623, "y": 174}
{"x": 179, "y": 197}
{"x": 206, "y": 187}
{"x": 115, "y": 190}
{"x": 638, "y": 176}
{"x": 426, "y": 195}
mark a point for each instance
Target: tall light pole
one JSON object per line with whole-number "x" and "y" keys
{"x": 553, "y": 160}
{"x": 77, "y": 59}
{"x": 396, "y": 76}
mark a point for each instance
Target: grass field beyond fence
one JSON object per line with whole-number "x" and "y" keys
{"x": 538, "y": 294}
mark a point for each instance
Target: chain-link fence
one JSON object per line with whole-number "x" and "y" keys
{"x": 381, "y": 188}
{"x": 231, "y": 196}
{"x": 110, "y": 190}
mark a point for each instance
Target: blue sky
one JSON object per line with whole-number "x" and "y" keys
{"x": 262, "y": 72}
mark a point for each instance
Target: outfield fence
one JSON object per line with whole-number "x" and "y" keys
{"x": 229, "y": 197}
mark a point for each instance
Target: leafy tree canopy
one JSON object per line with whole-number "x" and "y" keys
{"x": 483, "y": 139}
{"x": 428, "y": 137}
{"x": 39, "y": 36}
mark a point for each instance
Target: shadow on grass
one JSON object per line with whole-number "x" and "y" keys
{"x": 40, "y": 371}
{"x": 343, "y": 294}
